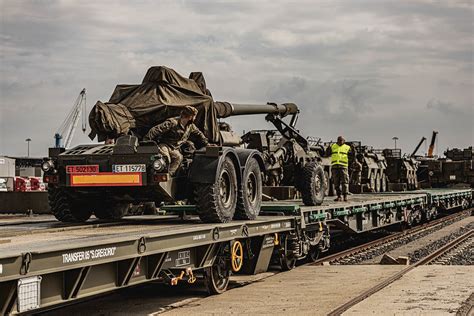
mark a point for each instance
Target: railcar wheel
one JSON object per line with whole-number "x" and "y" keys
{"x": 313, "y": 254}
{"x": 216, "y": 203}
{"x": 287, "y": 262}
{"x": 311, "y": 184}
{"x": 410, "y": 219}
{"x": 66, "y": 210}
{"x": 249, "y": 198}
{"x": 217, "y": 276}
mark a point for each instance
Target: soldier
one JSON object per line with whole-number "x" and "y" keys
{"x": 173, "y": 132}
{"x": 339, "y": 167}
{"x": 356, "y": 172}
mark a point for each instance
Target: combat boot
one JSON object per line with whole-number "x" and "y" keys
{"x": 338, "y": 199}
{"x": 345, "y": 198}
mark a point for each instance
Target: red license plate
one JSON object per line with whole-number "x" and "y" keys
{"x": 83, "y": 169}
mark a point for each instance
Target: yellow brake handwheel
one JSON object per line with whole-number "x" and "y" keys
{"x": 237, "y": 256}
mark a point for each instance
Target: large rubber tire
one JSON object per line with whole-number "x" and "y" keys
{"x": 65, "y": 209}
{"x": 377, "y": 182}
{"x": 311, "y": 184}
{"x": 372, "y": 181}
{"x": 249, "y": 198}
{"x": 326, "y": 184}
{"x": 111, "y": 210}
{"x": 383, "y": 184}
{"x": 216, "y": 202}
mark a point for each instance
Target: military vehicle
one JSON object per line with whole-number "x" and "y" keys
{"x": 373, "y": 176}
{"x": 456, "y": 169}
{"x": 291, "y": 160}
{"x": 400, "y": 171}
{"x": 223, "y": 180}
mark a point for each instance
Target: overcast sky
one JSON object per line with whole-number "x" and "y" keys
{"x": 369, "y": 70}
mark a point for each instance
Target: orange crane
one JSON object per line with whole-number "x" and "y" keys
{"x": 432, "y": 144}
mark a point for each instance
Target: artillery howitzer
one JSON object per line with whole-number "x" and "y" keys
{"x": 223, "y": 181}
{"x": 290, "y": 158}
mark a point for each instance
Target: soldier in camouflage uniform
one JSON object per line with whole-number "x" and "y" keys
{"x": 173, "y": 132}
{"x": 356, "y": 175}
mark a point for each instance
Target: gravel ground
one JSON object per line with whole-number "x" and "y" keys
{"x": 424, "y": 251}
{"x": 464, "y": 258}
{"x": 385, "y": 248}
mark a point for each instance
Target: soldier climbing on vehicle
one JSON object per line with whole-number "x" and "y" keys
{"x": 175, "y": 132}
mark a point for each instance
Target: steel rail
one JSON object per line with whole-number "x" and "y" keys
{"x": 429, "y": 258}
{"x": 379, "y": 242}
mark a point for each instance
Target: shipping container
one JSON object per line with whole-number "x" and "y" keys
{"x": 7, "y": 167}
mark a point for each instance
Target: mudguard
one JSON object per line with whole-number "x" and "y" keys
{"x": 204, "y": 168}
{"x": 245, "y": 155}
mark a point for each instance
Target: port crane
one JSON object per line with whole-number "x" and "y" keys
{"x": 68, "y": 126}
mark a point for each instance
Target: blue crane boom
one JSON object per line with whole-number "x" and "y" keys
{"x": 68, "y": 126}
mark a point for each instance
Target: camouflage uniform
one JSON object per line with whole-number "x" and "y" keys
{"x": 340, "y": 177}
{"x": 170, "y": 135}
{"x": 356, "y": 172}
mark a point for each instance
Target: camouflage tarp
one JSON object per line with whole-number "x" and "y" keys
{"x": 161, "y": 95}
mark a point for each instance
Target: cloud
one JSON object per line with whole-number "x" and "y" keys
{"x": 368, "y": 69}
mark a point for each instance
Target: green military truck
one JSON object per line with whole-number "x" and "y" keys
{"x": 222, "y": 181}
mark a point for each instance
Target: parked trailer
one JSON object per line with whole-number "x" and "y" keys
{"x": 58, "y": 267}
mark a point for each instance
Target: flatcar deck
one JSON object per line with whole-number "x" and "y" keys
{"x": 58, "y": 265}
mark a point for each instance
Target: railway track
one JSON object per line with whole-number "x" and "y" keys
{"x": 449, "y": 249}
{"x": 389, "y": 242}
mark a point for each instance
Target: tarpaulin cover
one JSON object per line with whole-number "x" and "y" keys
{"x": 161, "y": 95}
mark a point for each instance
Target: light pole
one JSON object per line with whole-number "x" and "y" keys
{"x": 28, "y": 140}
{"x": 395, "y": 138}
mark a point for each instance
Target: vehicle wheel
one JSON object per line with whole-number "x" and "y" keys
{"x": 311, "y": 184}
{"x": 409, "y": 181}
{"x": 372, "y": 181}
{"x": 383, "y": 184}
{"x": 377, "y": 182}
{"x": 217, "y": 276}
{"x": 111, "y": 210}
{"x": 216, "y": 202}
{"x": 326, "y": 183}
{"x": 249, "y": 198}
{"x": 64, "y": 209}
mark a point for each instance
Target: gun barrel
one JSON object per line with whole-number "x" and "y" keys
{"x": 226, "y": 109}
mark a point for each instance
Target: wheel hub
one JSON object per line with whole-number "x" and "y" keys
{"x": 224, "y": 189}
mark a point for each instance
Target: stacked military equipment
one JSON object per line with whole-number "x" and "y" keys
{"x": 223, "y": 181}
{"x": 456, "y": 169}
{"x": 373, "y": 176}
{"x": 401, "y": 171}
